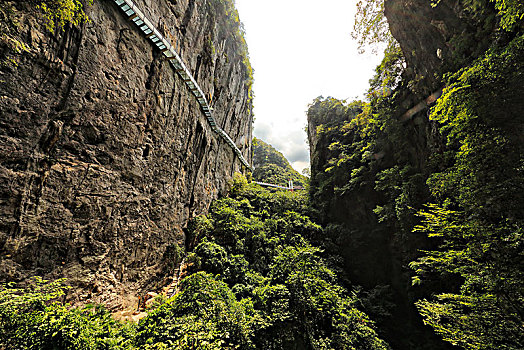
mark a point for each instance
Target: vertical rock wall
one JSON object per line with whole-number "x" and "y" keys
{"x": 104, "y": 152}
{"x": 437, "y": 39}
{"x": 377, "y": 250}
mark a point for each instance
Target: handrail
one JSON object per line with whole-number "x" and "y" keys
{"x": 278, "y": 186}
{"x": 145, "y": 25}
{"x": 270, "y": 185}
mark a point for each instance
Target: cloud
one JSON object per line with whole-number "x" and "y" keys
{"x": 295, "y": 147}
{"x": 263, "y": 131}
{"x": 298, "y": 62}
{"x": 298, "y": 154}
{"x": 299, "y": 166}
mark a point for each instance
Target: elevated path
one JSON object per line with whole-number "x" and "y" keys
{"x": 289, "y": 188}
{"x": 157, "y": 39}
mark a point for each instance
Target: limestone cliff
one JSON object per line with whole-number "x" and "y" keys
{"x": 440, "y": 38}
{"x": 104, "y": 152}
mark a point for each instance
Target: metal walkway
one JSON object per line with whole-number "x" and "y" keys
{"x": 158, "y": 40}
{"x": 289, "y": 188}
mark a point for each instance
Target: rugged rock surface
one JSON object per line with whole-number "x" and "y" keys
{"x": 436, "y": 38}
{"x": 104, "y": 152}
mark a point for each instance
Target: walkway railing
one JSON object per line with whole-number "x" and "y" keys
{"x": 289, "y": 188}
{"x": 158, "y": 40}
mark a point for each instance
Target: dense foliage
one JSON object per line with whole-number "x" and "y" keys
{"x": 452, "y": 182}
{"x": 359, "y": 141}
{"x": 272, "y": 167}
{"x": 255, "y": 281}
{"x": 340, "y": 164}
{"x": 260, "y": 244}
{"x": 34, "y": 318}
{"x": 477, "y": 214}
{"x": 365, "y": 186}
{"x": 59, "y": 12}
{"x": 262, "y": 274}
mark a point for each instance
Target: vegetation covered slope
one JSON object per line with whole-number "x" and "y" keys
{"x": 476, "y": 210}
{"x": 257, "y": 279}
{"x": 440, "y": 190}
{"x": 272, "y": 167}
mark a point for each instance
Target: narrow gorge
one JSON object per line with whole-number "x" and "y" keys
{"x": 139, "y": 212}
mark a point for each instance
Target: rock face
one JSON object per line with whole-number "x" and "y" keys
{"x": 105, "y": 153}
{"x": 433, "y": 38}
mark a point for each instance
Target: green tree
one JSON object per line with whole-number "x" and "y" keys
{"x": 272, "y": 167}
{"x": 34, "y": 318}
{"x": 371, "y": 26}
{"x": 259, "y": 244}
{"x": 203, "y": 315}
{"x": 477, "y": 217}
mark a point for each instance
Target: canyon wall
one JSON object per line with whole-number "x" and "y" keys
{"x": 104, "y": 152}
{"x": 371, "y": 163}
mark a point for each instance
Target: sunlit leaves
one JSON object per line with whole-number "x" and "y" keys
{"x": 204, "y": 315}
{"x": 35, "y": 318}
{"x": 371, "y": 27}
{"x": 59, "y": 12}
{"x": 259, "y": 245}
{"x": 478, "y": 218}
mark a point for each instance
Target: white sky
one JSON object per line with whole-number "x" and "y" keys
{"x": 300, "y": 49}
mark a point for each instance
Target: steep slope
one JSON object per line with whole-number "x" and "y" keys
{"x": 411, "y": 179}
{"x": 105, "y": 152}
{"x": 272, "y": 167}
